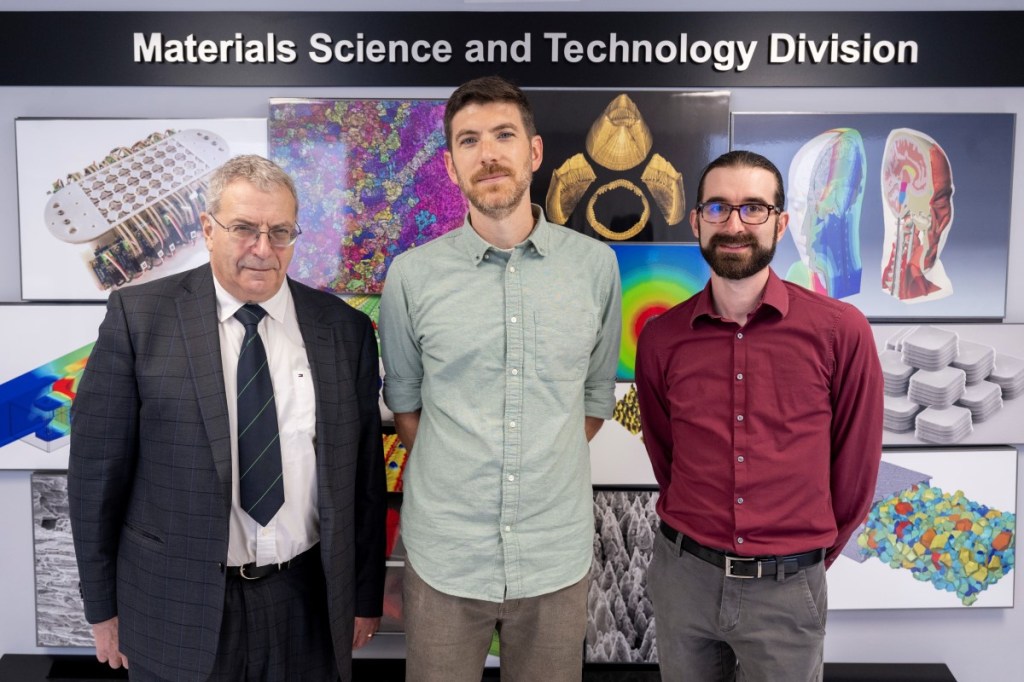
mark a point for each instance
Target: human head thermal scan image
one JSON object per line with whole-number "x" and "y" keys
{"x": 917, "y": 200}
{"x": 826, "y": 188}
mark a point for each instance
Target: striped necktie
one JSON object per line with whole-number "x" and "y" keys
{"x": 261, "y": 486}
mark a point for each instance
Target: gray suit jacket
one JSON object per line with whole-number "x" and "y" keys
{"x": 149, "y": 481}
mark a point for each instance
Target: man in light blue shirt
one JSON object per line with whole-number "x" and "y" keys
{"x": 500, "y": 344}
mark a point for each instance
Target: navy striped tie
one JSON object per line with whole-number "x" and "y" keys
{"x": 261, "y": 486}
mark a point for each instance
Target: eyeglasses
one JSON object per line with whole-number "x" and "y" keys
{"x": 280, "y": 237}
{"x": 750, "y": 214}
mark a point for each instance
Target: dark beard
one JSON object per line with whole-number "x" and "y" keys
{"x": 733, "y": 266}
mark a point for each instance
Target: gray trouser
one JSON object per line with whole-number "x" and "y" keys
{"x": 447, "y": 637}
{"x": 712, "y": 628}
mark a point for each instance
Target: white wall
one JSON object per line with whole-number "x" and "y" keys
{"x": 978, "y": 645}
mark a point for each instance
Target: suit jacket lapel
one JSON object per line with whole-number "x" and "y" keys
{"x": 197, "y": 313}
{"x": 322, "y": 356}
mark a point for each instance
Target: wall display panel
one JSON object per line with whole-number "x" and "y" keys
{"x": 623, "y": 165}
{"x": 60, "y": 613}
{"x": 941, "y": 534}
{"x": 617, "y": 452}
{"x": 46, "y": 350}
{"x": 105, "y": 203}
{"x": 655, "y": 277}
{"x": 372, "y": 182}
{"x": 952, "y": 384}
{"x": 903, "y": 215}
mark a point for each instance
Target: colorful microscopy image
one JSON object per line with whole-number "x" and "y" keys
{"x": 372, "y": 182}
{"x": 941, "y": 533}
{"x": 956, "y": 544}
{"x": 623, "y": 166}
{"x": 871, "y": 200}
{"x": 395, "y": 455}
{"x": 617, "y": 452}
{"x": 655, "y": 277}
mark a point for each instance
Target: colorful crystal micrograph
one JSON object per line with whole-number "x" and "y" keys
{"x": 956, "y": 544}
{"x": 654, "y": 278}
{"x": 372, "y": 183}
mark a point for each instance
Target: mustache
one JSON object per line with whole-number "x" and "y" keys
{"x": 732, "y": 240}
{"x": 489, "y": 170}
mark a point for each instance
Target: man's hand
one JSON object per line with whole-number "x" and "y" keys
{"x": 364, "y": 630}
{"x": 107, "y": 647}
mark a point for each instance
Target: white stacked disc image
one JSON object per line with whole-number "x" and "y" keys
{"x": 895, "y": 372}
{"x": 895, "y": 342}
{"x": 983, "y": 399}
{"x": 929, "y": 348}
{"x": 943, "y": 426}
{"x": 898, "y": 413}
{"x": 976, "y": 359}
{"x": 940, "y": 388}
{"x": 1009, "y": 374}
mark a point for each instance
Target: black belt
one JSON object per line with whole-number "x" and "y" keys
{"x": 742, "y": 566}
{"x": 253, "y": 572}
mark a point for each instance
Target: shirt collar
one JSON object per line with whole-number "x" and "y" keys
{"x": 774, "y": 295}
{"x": 276, "y": 306}
{"x": 476, "y": 246}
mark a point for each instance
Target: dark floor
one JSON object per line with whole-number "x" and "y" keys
{"x": 45, "y": 668}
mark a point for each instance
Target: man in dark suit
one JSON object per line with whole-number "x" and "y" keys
{"x": 183, "y": 576}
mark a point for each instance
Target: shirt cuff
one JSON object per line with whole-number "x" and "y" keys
{"x": 599, "y": 399}
{"x": 402, "y": 395}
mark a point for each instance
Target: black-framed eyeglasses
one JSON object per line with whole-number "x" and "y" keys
{"x": 750, "y": 214}
{"x": 280, "y": 236}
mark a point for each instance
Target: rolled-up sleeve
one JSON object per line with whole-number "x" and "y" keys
{"x": 400, "y": 348}
{"x": 599, "y": 388}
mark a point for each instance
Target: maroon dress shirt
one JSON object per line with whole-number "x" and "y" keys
{"x": 765, "y": 439}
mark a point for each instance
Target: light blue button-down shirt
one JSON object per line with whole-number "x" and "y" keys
{"x": 505, "y": 353}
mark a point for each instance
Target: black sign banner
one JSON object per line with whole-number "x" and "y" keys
{"x": 539, "y": 49}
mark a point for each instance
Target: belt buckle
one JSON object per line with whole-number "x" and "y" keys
{"x": 241, "y": 572}
{"x": 730, "y": 560}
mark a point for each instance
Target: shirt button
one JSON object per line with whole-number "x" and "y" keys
{"x": 513, "y": 319}
{"x": 515, "y": 372}
{"x": 512, "y": 424}
{"x": 508, "y": 528}
{"x": 739, "y": 417}
{"x": 486, "y": 256}
{"x": 739, "y": 541}
{"x": 511, "y": 477}
{"x": 739, "y": 459}
{"x": 739, "y": 500}
{"x": 739, "y": 377}
{"x": 739, "y": 335}
{"x": 511, "y": 268}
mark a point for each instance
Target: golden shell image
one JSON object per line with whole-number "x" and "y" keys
{"x": 568, "y": 183}
{"x": 665, "y": 184}
{"x": 619, "y": 139}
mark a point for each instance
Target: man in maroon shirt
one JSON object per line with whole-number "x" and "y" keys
{"x": 761, "y": 406}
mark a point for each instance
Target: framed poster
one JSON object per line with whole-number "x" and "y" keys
{"x": 623, "y": 165}
{"x": 46, "y": 351}
{"x": 372, "y": 183}
{"x": 903, "y": 215}
{"x": 106, "y": 203}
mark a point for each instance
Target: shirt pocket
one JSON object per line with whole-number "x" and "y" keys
{"x": 564, "y": 343}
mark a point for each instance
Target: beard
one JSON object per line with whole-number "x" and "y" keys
{"x": 497, "y": 202}
{"x": 738, "y": 265}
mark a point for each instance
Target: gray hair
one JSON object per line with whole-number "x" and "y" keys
{"x": 261, "y": 172}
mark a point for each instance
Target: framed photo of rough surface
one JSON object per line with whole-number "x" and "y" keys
{"x": 623, "y": 165}
{"x": 903, "y": 215}
{"x": 372, "y": 183}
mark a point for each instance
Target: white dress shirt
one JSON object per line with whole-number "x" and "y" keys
{"x": 296, "y": 526}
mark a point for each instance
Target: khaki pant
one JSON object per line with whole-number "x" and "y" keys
{"x": 447, "y": 637}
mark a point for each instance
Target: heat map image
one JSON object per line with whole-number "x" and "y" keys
{"x": 826, "y": 188}
{"x": 655, "y": 277}
{"x": 372, "y": 183}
